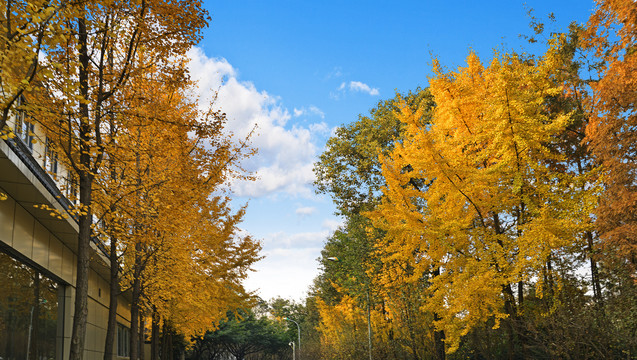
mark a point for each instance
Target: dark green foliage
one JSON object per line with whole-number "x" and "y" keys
{"x": 349, "y": 169}
{"x": 244, "y": 336}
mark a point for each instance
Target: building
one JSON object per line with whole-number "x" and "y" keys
{"x": 38, "y": 256}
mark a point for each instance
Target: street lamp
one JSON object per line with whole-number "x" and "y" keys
{"x": 369, "y": 321}
{"x": 299, "y": 333}
{"x": 293, "y": 351}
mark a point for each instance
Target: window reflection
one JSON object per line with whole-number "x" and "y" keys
{"x": 28, "y": 312}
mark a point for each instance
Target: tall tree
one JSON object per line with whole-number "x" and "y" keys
{"x": 488, "y": 211}
{"x": 612, "y": 33}
{"x": 350, "y": 171}
{"x": 169, "y": 225}
{"x": 91, "y": 66}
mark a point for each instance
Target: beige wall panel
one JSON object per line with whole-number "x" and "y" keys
{"x": 104, "y": 285}
{"x": 123, "y": 310}
{"x": 102, "y": 296}
{"x": 23, "y": 231}
{"x": 92, "y": 284}
{"x": 89, "y": 342}
{"x": 106, "y": 293}
{"x": 100, "y": 339}
{"x": 7, "y": 212}
{"x": 92, "y": 309}
{"x": 102, "y": 316}
{"x": 67, "y": 265}
{"x": 41, "y": 245}
{"x": 98, "y": 343}
{"x": 101, "y": 284}
{"x": 55, "y": 256}
{"x": 74, "y": 269}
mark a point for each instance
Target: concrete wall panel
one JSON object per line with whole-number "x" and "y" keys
{"x": 7, "y": 214}
{"x": 56, "y": 250}
{"x": 23, "y": 232}
{"x": 41, "y": 245}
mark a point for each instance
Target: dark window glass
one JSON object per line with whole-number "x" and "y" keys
{"x": 29, "y": 303}
{"x": 123, "y": 341}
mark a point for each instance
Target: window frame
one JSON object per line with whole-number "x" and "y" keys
{"x": 50, "y": 159}
{"x": 24, "y": 129}
{"x": 123, "y": 341}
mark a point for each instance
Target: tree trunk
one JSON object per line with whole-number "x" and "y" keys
{"x": 35, "y": 317}
{"x": 167, "y": 343}
{"x": 142, "y": 326}
{"x": 439, "y": 335}
{"x": 111, "y": 328}
{"x": 439, "y": 341}
{"x": 549, "y": 277}
{"x": 597, "y": 288}
{"x": 80, "y": 313}
{"x": 154, "y": 341}
{"x": 510, "y": 309}
{"x": 134, "y": 307}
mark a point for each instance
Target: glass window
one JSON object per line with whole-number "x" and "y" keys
{"x": 50, "y": 159}
{"x": 71, "y": 188}
{"x": 123, "y": 340}
{"x": 29, "y": 303}
{"x": 24, "y": 129}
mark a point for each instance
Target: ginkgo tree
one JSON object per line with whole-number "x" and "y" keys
{"x": 506, "y": 220}
{"x": 166, "y": 213}
{"x": 350, "y": 172}
{"x": 472, "y": 198}
{"x": 91, "y": 63}
{"x": 612, "y": 34}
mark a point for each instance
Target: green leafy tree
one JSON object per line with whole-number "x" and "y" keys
{"x": 244, "y": 334}
{"x": 349, "y": 169}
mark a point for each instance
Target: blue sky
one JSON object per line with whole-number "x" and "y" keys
{"x": 299, "y": 69}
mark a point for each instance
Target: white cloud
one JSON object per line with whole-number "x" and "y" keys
{"x": 353, "y": 86}
{"x": 321, "y": 128}
{"x": 337, "y": 72}
{"x": 285, "y": 154}
{"x": 290, "y": 263}
{"x": 311, "y": 110}
{"x": 296, "y": 240}
{"x": 362, "y": 87}
{"x": 332, "y": 225}
{"x": 305, "y": 211}
{"x": 288, "y": 273}
{"x": 273, "y": 178}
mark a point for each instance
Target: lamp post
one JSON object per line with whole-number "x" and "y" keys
{"x": 369, "y": 321}
{"x": 298, "y": 333}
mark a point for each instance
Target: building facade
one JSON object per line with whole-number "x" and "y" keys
{"x": 38, "y": 256}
